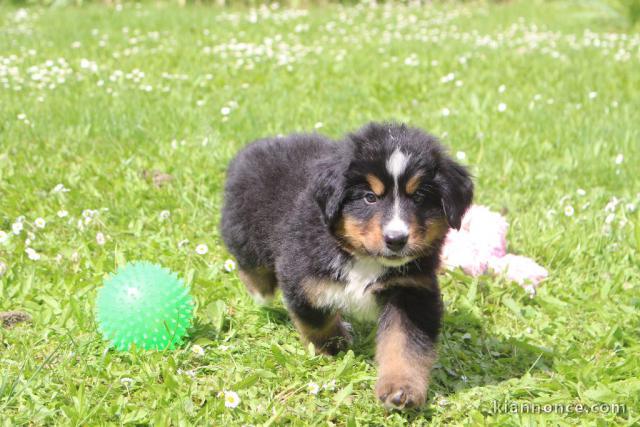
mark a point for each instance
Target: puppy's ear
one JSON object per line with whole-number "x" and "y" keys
{"x": 329, "y": 188}
{"x": 456, "y": 190}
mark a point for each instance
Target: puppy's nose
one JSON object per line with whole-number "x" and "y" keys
{"x": 396, "y": 240}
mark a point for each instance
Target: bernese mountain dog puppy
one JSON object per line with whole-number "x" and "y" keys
{"x": 352, "y": 227}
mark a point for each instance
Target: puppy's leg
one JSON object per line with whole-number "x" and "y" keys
{"x": 261, "y": 283}
{"x": 325, "y": 329}
{"x": 405, "y": 346}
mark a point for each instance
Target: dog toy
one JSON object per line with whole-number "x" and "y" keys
{"x": 480, "y": 246}
{"x": 145, "y": 305}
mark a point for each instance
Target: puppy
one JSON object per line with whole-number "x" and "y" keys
{"x": 353, "y": 227}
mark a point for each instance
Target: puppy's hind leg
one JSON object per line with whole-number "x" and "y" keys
{"x": 260, "y": 282}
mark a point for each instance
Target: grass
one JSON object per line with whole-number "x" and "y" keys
{"x": 92, "y": 97}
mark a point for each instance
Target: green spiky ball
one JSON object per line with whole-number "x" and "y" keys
{"x": 146, "y": 305}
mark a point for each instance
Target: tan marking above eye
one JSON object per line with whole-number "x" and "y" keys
{"x": 376, "y": 184}
{"x": 413, "y": 184}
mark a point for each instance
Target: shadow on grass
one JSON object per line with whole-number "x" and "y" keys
{"x": 470, "y": 354}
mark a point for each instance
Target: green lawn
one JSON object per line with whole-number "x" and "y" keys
{"x": 543, "y": 98}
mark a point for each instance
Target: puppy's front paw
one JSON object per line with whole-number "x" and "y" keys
{"x": 400, "y": 392}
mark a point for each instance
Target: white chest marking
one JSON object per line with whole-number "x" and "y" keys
{"x": 353, "y": 297}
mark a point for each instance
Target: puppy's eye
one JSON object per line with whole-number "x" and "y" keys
{"x": 418, "y": 197}
{"x": 370, "y": 198}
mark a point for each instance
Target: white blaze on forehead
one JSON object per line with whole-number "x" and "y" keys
{"x": 396, "y": 165}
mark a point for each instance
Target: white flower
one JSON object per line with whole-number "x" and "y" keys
{"x": 568, "y": 210}
{"x": 198, "y": 350}
{"x": 531, "y": 290}
{"x": 3, "y": 268}
{"x": 609, "y": 219}
{"x": 182, "y": 243}
{"x": 502, "y": 107}
{"x": 313, "y": 388}
{"x": 445, "y": 112}
{"x": 62, "y": 213}
{"x": 32, "y": 254}
{"x": 331, "y": 385}
{"x": 165, "y": 215}
{"x": 40, "y": 222}
{"x": 202, "y": 249}
{"x": 231, "y": 399}
{"x": 4, "y": 237}
{"x": 630, "y": 208}
{"x": 229, "y": 265}
{"x": 125, "y": 381}
{"x": 442, "y": 401}
{"x": 318, "y": 125}
{"x": 581, "y": 192}
{"x": 592, "y": 95}
{"x": 17, "y": 228}
{"x": 100, "y": 238}
{"x": 611, "y": 206}
{"x": 619, "y": 159}
{"x": 461, "y": 155}
{"x": 225, "y": 111}
{"x": 502, "y": 88}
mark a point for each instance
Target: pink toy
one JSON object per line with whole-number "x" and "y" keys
{"x": 480, "y": 246}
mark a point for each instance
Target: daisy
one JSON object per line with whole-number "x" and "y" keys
{"x": 313, "y": 388}
{"x": 609, "y": 219}
{"x": 581, "y": 192}
{"x": 225, "y": 111}
{"x": 202, "y": 249}
{"x": 40, "y": 222}
{"x": 568, "y": 210}
{"x": 619, "y": 159}
{"x": 231, "y": 399}
{"x": 3, "y": 237}
{"x": 165, "y": 215}
{"x": 62, "y": 213}
{"x": 197, "y": 350}
{"x": 445, "y": 112}
{"x": 32, "y": 254}
{"x": 461, "y": 155}
{"x": 331, "y": 385}
{"x": 502, "y": 107}
{"x": 100, "y": 238}
{"x": 60, "y": 188}
{"x": 17, "y": 228}
{"x": 229, "y": 265}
